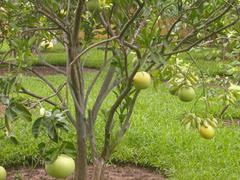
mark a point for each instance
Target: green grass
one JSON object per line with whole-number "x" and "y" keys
{"x": 208, "y": 58}
{"x": 208, "y": 61}
{"x": 4, "y": 47}
{"x": 56, "y": 48}
{"x": 57, "y": 56}
{"x": 210, "y": 66}
{"x": 155, "y": 138}
{"x": 93, "y": 59}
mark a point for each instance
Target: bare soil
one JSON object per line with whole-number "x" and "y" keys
{"x": 128, "y": 172}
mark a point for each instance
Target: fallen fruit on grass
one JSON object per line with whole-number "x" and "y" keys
{"x": 207, "y": 131}
{"x": 62, "y": 167}
{"x": 186, "y": 94}
{"x": 3, "y": 173}
{"x": 142, "y": 80}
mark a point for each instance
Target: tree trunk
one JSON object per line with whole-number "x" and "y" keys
{"x": 77, "y": 84}
{"x": 98, "y": 172}
{"x": 81, "y": 160}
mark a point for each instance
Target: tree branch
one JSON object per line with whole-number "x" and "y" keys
{"x": 53, "y": 17}
{"x": 41, "y": 98}
{"x": 105, "y": 152}
{"x": 33, "y": 29}
{"x": 130, "y": 21}
{"x": 77, "y": 20}
{"x": 200, "y": 40}
{"x": 53, "y": 67}
{"x": 91, "y": 47}
{"x": 207, "y": 23}
{"x": 126, "y": 124}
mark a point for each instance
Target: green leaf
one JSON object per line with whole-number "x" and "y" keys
{"x": 21, "y": 111}
{"x": 51, "y": 155}
{"x": 69, "y": 149}
{"x": 41, "y": 147}
{"x": 4, "y": 99}
{"x": 36, "y": 127}
{"x": 52, "y": 133}
{"x": 10, "y": 115}
{"x": 62, "y": 125}
{"x": 13, "y": 139}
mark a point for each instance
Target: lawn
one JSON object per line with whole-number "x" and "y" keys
{"x": 208, "y": 58}
{"x": 93, "y": 59}
{"x": 147, "y": 85}
{"x": 155, "y": 138}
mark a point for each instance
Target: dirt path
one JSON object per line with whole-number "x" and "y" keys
{"x": 128, "y": 172}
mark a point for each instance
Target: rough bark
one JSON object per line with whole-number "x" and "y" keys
{"x": 81, "y": 160}
{"x": 98, "y": 172}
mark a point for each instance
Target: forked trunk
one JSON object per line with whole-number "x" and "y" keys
{"x": 98, "y": 171}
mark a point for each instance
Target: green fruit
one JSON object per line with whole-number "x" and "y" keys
{"x": 62, "y": 167}
{"x": 3, "y": 173}
{"x": 207, "y": 132}
{"x": 142, "y": 80}
{"x": 173, "y": 89}
{"x": 186, "y": 94}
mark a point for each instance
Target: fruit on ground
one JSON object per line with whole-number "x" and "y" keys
{"x": 142, "y": 80}
{"x": 186, "y": 94}
{"x": 207, "y": 132}
{"x": 3, "y": 173}
{"x": 62, "y": 167}
{"x": 173, "y": 89}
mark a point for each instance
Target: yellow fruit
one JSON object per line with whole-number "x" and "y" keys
{"x": 186, "y": 94}
{"x": 63, "y": 13}
{"x": 207, "y": 132}
{"x": 3, "y": 173}
{"x": 142, "y": 80}
{"x": 62, "y": 167}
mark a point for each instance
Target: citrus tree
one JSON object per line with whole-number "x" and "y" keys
{"x": 154, "y": 32}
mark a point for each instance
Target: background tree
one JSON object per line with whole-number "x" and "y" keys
{"x": 130, "y": 26}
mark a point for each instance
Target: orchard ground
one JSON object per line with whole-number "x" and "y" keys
{"x": 155, "y": 139}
